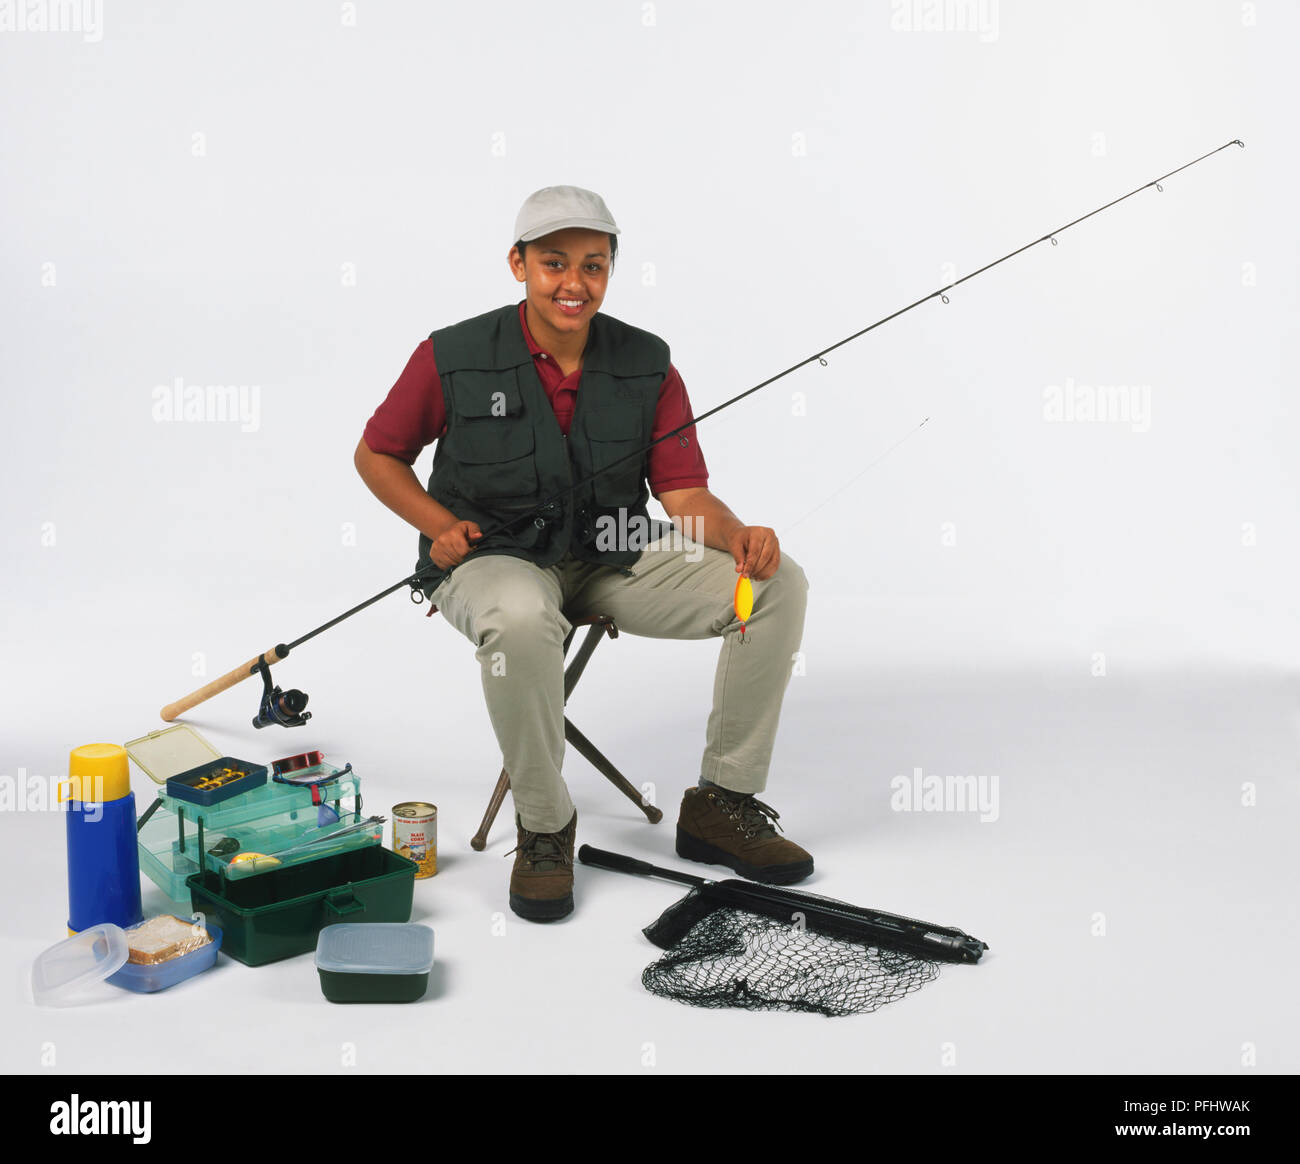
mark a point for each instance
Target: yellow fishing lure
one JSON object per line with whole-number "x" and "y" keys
{"x": 744, "y": 602}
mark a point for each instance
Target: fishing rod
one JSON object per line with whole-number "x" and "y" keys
{"x": 287, "y": 708}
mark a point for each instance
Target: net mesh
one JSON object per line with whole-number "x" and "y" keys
{"x": 731, "y": 958}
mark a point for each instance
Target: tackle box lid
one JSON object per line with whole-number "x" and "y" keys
{"x": 375, "y": 948}
{"x": 171, "y": 751}
{"x": 68, "y": 966}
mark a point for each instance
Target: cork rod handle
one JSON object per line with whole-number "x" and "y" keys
{"x": 229, "y": 679}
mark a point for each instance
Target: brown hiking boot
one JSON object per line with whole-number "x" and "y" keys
{"x": 720, "y": 827}
{"x": 541, "y": 883}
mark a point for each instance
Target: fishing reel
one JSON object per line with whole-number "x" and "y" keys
{"x": 282, "y": 707}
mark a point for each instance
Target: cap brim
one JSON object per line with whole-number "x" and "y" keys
{"x": 568, "y": 224}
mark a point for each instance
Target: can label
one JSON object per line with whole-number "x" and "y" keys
{"x": 415, "y": 835}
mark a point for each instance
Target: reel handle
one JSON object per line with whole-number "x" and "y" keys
{"x": 229, "y": 679}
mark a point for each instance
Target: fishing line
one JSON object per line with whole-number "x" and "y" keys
{"x": 858, "y": 477}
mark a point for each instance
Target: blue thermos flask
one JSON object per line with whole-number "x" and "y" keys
{"x": 103, "y": 861}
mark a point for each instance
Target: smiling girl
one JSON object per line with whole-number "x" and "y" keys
{"x": 522, "y": 402}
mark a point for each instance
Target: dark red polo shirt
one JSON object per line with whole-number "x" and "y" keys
{"x": 413, "y": 415}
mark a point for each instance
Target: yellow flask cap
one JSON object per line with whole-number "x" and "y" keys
{"x": 98, "y": 772}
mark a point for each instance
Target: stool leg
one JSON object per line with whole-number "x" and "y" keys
{"x": 598, "y": 761}
{"x": 578, "y": 664}
{"x": 573, "y": 672}
{"x": 479, "y": 841}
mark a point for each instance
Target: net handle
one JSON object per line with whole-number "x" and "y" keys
{"x": 618, "y": 863}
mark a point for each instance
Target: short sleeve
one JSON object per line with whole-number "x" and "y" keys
{"x": 413, "y": 414}
{"x": 677, "y": 463}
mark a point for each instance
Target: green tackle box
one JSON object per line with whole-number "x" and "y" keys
{"x": 280, "y": 913}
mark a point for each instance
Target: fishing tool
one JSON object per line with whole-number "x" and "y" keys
{"x": 221, "y": 779}
{"x": 744, "y": 602}
{"x": 283, "y": 707}
{"x": 286, "y": 708}
{"x": 764, "y": 947}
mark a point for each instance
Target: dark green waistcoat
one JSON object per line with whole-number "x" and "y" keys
{"x": 503, "y": 452}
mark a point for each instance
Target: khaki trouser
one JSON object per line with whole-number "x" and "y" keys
{"x": 514, "y": 613}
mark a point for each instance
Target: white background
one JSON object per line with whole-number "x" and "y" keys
{"x": 1098, "y": 622}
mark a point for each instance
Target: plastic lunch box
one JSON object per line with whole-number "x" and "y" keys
{"x": 101, "y": 953}
{"x": 374, "y": 963}
{"x": 278, "y": 914}
{"x": 160, "y": 975}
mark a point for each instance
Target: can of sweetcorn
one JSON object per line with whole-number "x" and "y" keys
{"x": 415, "y": 835}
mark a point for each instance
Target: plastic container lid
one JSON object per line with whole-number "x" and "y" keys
{"x": 162, "y": 755}
{"x": 375, "y": 948}
{"x": 85, "y": 958}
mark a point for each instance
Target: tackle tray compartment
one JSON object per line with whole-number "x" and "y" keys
{"x": 213, "y": 783}
{"x": 280, "y": 913}
{"x": 275, "y": 816}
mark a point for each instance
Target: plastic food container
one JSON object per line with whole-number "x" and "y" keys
{"x": 101, "y": 954}
{"x": 280, "y": 913}
{"x": 374, "y": 963}
{"x": 60, "y": 973}
{"x": 160, "y": 975}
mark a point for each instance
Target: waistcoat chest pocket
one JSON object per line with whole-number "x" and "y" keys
{"x": 614, "y": 436}
{"x": 491, "y": 440}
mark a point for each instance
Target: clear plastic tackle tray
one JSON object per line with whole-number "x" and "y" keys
{"x": 177, "y": 837}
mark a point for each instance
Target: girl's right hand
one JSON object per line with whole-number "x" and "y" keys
{"x": 452, "y": 546}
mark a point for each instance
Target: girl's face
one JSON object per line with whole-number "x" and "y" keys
{"x": 565, "y": 275}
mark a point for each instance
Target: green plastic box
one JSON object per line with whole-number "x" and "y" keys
{"x": 369, "y": 962}
{"x": 279, "y": 914}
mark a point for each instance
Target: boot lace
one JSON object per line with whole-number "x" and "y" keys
{"x": 543, "y": 851}
{"x": 756, "y": 818}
